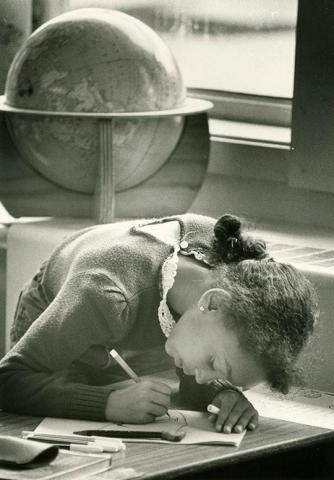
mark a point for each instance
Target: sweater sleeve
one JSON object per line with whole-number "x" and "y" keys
{"x": 36, "y": 377}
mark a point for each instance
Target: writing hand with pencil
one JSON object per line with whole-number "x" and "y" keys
{"x": 141, "y": 402}
{"x": 231, "y": 411}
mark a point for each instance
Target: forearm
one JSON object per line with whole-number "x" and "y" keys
{"x": 51, "y": 394}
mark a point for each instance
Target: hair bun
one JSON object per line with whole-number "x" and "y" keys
{"x": 227, "y": 226}
{"x": 232, "y": 245}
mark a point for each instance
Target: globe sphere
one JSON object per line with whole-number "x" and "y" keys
{"x": 94, "y": 61}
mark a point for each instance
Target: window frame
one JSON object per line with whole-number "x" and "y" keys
{"x": 295, "y": 185}
{"x": 234, "y": 117}
{"x": 312, "y": 159}
{"x": 246, "y": 107}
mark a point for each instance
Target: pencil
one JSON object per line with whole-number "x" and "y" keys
{"x": 122, "y": 363}
{"x": 213, "y": 409}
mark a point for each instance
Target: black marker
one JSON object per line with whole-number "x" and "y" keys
{"x": 164, "y": 435}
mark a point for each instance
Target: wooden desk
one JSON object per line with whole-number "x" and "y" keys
{"x": 266, "y": 446}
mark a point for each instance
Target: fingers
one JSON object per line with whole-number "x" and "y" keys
{"x": 239, "y": 419}
{"x": 139, "y": 403}
{"x": 236, "y": 413}
{"x": 158, "y": 398}
{"x": 160, "y": 387}
{"x": 158, "y": 392}
{"x": 157, "y": 410}
{"x": 253, "y": 422}
{"x": 147, "y": 418}
{"x": 227, "y": 402}
{"x": 159, "y": 404}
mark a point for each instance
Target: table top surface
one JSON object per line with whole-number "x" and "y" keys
{"x": 171, "y": 461}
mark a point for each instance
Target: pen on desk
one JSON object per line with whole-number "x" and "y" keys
{"x": 115, "y": 445}
{"x": 51, "y": 437}
{"x": 87, "y": 448}
{"x": 132, "y": 434}
{"x": 108, "y": 445}
{"x": 76, "y": 447}
{"x": 122, "y": 363}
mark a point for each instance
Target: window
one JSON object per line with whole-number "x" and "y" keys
{"x": 237, "y": 53}
{"x": 244, "y": 46}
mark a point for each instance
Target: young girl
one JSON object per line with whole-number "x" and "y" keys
{"x": 198, "y": 289}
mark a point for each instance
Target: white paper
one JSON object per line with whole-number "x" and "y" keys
{"x": 302, "y": 405}
{"x": 198, "y": 428}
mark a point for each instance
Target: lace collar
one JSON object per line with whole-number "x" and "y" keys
{"x": 168, "y": 274}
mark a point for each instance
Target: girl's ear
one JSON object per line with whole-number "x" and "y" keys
{"x": 214, "y": 299}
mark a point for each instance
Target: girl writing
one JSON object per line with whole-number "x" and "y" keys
{"x": 189, "y": 286}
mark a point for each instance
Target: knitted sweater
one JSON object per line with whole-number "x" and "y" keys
{"x": 103, "y": 287}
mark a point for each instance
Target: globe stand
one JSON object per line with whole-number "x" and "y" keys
{"x": 104, "y": 195}
{"x": 104, "y": 192}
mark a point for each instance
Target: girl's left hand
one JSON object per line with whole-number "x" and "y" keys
{"x": 236, "y": 412}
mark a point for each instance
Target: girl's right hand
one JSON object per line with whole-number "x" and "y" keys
{"x": 140, "y": 403}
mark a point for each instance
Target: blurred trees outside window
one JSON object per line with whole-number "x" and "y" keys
{"x": 244, "y": 46}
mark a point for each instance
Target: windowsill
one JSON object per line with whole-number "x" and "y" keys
{"x": 246, "y": 108}
{"x": 250, "y": 133}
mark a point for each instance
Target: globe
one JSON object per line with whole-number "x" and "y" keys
{"x": 94, "y": 61}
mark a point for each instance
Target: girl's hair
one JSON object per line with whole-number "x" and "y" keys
{"x": 232, "y": 245}
{"x": 272, "y": 306}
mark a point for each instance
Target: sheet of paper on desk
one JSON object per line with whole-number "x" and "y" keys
{"x": 198, "y": 428}
{"x": 301, "y": 405}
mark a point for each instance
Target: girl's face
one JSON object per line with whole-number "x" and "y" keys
{"x": 202, "y": 346}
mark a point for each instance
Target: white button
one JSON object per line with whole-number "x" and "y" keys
{"x": 184, "y": 244}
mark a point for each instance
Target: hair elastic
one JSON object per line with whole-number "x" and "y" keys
{"x": 233, "y": 241}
